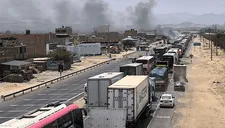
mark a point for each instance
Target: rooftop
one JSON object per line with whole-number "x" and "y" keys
{"x": 145, "y": 57}
{"x": 16, "y": 63}
{"x": 129, "y": 82}
{"x": 132, "y": 65}
{"x": 107, "y": 75}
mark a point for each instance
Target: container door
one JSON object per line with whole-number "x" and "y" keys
{"x": 129, "y": 103}
{"x": 102, "y": 95}
{"x": 92, "y": 93}
{"x": 110, "y": 100}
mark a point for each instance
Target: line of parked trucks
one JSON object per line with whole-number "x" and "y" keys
{"x": 118, "y": 99}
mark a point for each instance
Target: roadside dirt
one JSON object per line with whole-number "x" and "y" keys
{"x": 6, "y": 88}
{"x": 203, "y": 105}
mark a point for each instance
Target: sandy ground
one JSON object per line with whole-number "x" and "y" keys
{"x": 6, "y": 88}
{"x": 203, "y": 105}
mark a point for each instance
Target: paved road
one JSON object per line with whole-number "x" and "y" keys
{"x": 162, "y": 117}
{"x": 62, "y": 90}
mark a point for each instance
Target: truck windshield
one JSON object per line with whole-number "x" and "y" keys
{"x": 169, "y": 59}
{"x": 142, "y": 61}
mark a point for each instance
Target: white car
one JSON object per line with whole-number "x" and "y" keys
{"x": 167, "y": 100}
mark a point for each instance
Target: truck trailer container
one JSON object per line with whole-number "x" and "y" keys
{"x": 161, "y": 78}
{"x": 132, "y": 69}
{"x": 97, "y": 88}
{"x": 106, "y": 118}
{"x": 132, "y": 93}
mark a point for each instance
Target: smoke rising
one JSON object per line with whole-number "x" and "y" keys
{"x": 95, "y": 14}
{"x": 143, "y": 16}
{"x": 18, "y": 15}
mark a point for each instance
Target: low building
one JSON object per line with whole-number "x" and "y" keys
{"x": 15, "y": 65}
{"x": 35, "y": 43}
{"x": 64, "y": 30}
{"x": 132, "y": 33}
{"x": 110, "y": 36}
{"x": 11, "y": 49}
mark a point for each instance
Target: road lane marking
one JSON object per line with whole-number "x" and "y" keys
{"x": 16, "y": 111}
{"x": 153, "y": 115}
{"x": 2, "y": 117}
{"x": 42, "y": 94}
{"x": 75, "y": 96}
{"x": 1, "y": 111}
{"x": 27, "y": 99}
{"x": 163, "y": 117}
{"x": 13, "y": 105}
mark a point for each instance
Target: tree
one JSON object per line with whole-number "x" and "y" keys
{"x": 60, "y": 54}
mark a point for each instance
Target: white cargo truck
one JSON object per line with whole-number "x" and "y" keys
{"x": 133, "y": 94}
{"x": 106, "y": 118}
{"x": 132, "y": 69}
{"x": 97, "y": 88}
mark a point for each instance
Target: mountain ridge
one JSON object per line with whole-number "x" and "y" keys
{"x": 177, "y": 18}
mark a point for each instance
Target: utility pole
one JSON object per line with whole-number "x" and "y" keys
{"x": 211, "y": 50}
{"x": 108, "y": 41}
{"x": 216, "y": 41}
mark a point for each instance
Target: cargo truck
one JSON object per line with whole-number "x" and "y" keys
{"x": 161, "y": 78}
{"x": 179, "y": 77}
{"x": 176, "y": 51}
{"x": 132, "y": 93}
{"x": 170, "y": 58}
{"x": 97, "y": 88}
{"x": 148, "y": 63}
{"x": 132, "y": 69}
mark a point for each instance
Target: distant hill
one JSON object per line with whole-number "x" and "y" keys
{"x": 177, "y": 18}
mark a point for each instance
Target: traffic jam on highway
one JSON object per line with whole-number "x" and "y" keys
{"x": 119, "y": 99}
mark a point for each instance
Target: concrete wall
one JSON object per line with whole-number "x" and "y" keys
{"x": 35, "y": 43}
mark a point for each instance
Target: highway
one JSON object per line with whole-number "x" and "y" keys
{"x": 164, "y": 117}
{"x": 62, "y": 91}
{"x": 73, "y": 86}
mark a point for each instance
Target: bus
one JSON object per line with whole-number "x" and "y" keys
{"x": 160, "y": 51}
{"x": 170, "y": 58}
{"x": 177, "y": 53}
{"x": 69, "y": 117}
{"x": 39, "y": 115}
{"x": 148, "y": 63}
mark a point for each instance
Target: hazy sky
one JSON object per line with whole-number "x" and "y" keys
{"x": 174, "y": 6}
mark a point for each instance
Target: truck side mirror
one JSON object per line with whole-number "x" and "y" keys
{"x": 84, "y": 111}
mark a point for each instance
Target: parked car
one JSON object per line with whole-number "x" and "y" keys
{"x": 167, "y": 100}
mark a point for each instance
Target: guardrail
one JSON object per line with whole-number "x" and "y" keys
{"x": 30, "y": 89}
